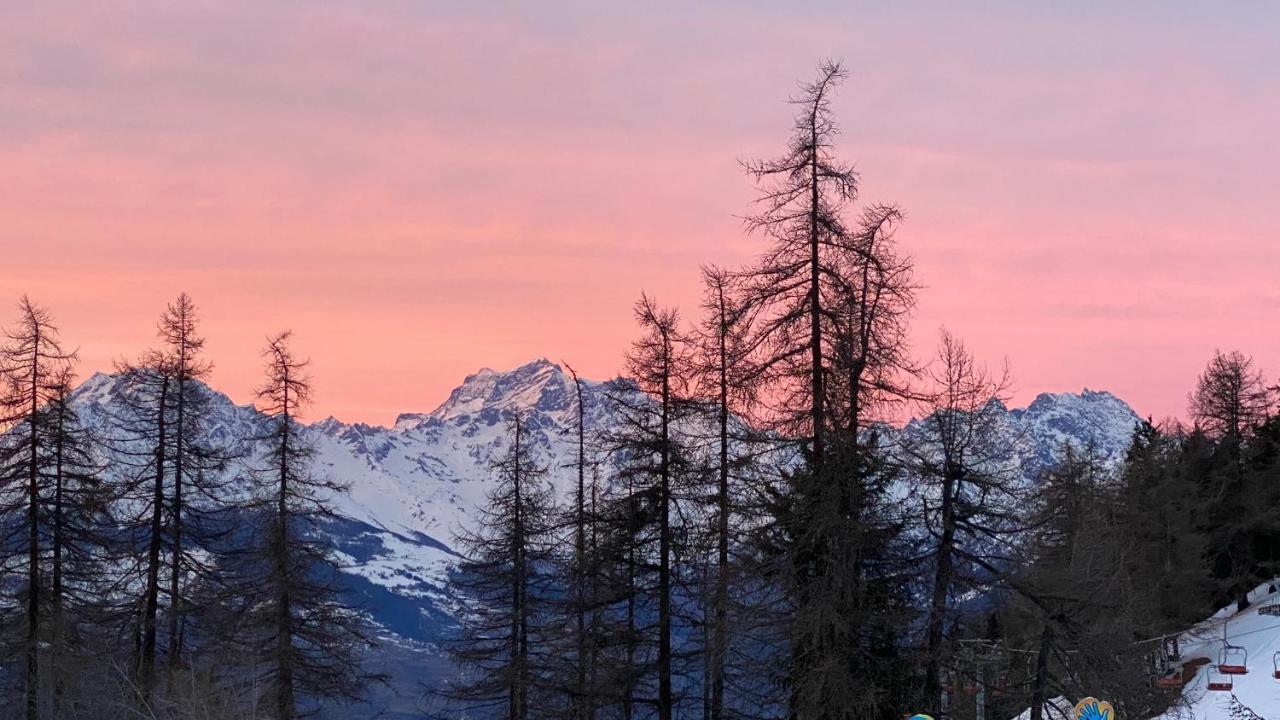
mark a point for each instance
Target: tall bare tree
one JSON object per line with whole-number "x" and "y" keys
{"x": 307, "y": 644}
{"x": 870, "y": 301}
{"x": 163, "y": 444}
{"x": 653, "y": 463}
{"x": 140, "y": 437}
{"x": 178, "y": 333}
{"x": 832, "y": 299}
{"x": 77, "y": 516}
{"x": 803, "y": 194}
{"x": 1231, "y": 397}
{"x": 967, "y": 485}
{"x": 582, "y": 693}
{"x": 505, "y": 646}
{"x": 723, "y": 370}
{"x": 32, "y": 360}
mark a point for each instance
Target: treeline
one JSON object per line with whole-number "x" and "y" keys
{"x": 149, "y": 568}
{"x": 749, "y": 542}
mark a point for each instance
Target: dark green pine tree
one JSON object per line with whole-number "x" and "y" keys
{"x": 1159, "y": 509}
{"x": 1229, "y": 404}
{"x": 1080, "y": 608}
{"x": 1262, "y": 478}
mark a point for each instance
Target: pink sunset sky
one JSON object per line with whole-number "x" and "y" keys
{"x": 421, "y": 189}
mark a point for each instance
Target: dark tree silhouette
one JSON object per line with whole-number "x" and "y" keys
{"x": 1230, "y": 398}
{"x": 582, "y": 694}
{"x": 139, "y": 440}
{"x": 803, "y": 194}
{"x": 77, "y": 517}
{"x": 832, "y": 299}
{"x": 175, "y": 481}
{"x": 870, "y": 301}
{"x": 968, "y": 488}
{"x": 506, "y": 645}
{"x": 723, "y": 370}
{"x": 653, "y": 463}
{"x": 307, "y": 645}
{"x": 196, "y": 495}
{"x": 33, "y": 362}
{"x": 1083, "y": 639}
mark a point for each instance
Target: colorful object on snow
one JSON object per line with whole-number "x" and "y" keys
{"x": 920, "y": 717}
{"x": 1093, "y": 709}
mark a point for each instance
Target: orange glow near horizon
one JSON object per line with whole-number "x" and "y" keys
{"x": 421, "y": 192}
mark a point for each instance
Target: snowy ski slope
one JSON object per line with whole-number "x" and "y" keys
{"x": 1259, "y": 635}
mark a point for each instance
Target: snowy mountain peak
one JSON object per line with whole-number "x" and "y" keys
{"x": 541, "y": 387}
{"x": 1034, "y": 437}
{"x": 1089, "y": 418}
{"x": 97, "y": 388}
{"x": 1086, "y": 397}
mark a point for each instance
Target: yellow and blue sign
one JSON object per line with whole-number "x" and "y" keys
{"x": 1093, "y": 709}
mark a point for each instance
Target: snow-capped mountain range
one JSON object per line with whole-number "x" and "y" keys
{"x": 414, "y": 484}
{"x": 1027, "y": 441}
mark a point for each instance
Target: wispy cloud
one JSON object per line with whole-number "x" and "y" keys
{"x": 420, "y": 189}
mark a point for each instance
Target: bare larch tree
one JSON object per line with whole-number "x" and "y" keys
{"x": 307, "y": 642}
{"x": 653, "y": 462}
{"x": 32, "y": 361}
{"x": 506, "y": 644}
{"x": 966, "y": 486}
{"x": 832, "y": 299}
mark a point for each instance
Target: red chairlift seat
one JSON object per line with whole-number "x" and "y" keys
{"x": 1171, "y": 677}
{"x": 1218, "y": 680}
{"x": 1233, "y": 660}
